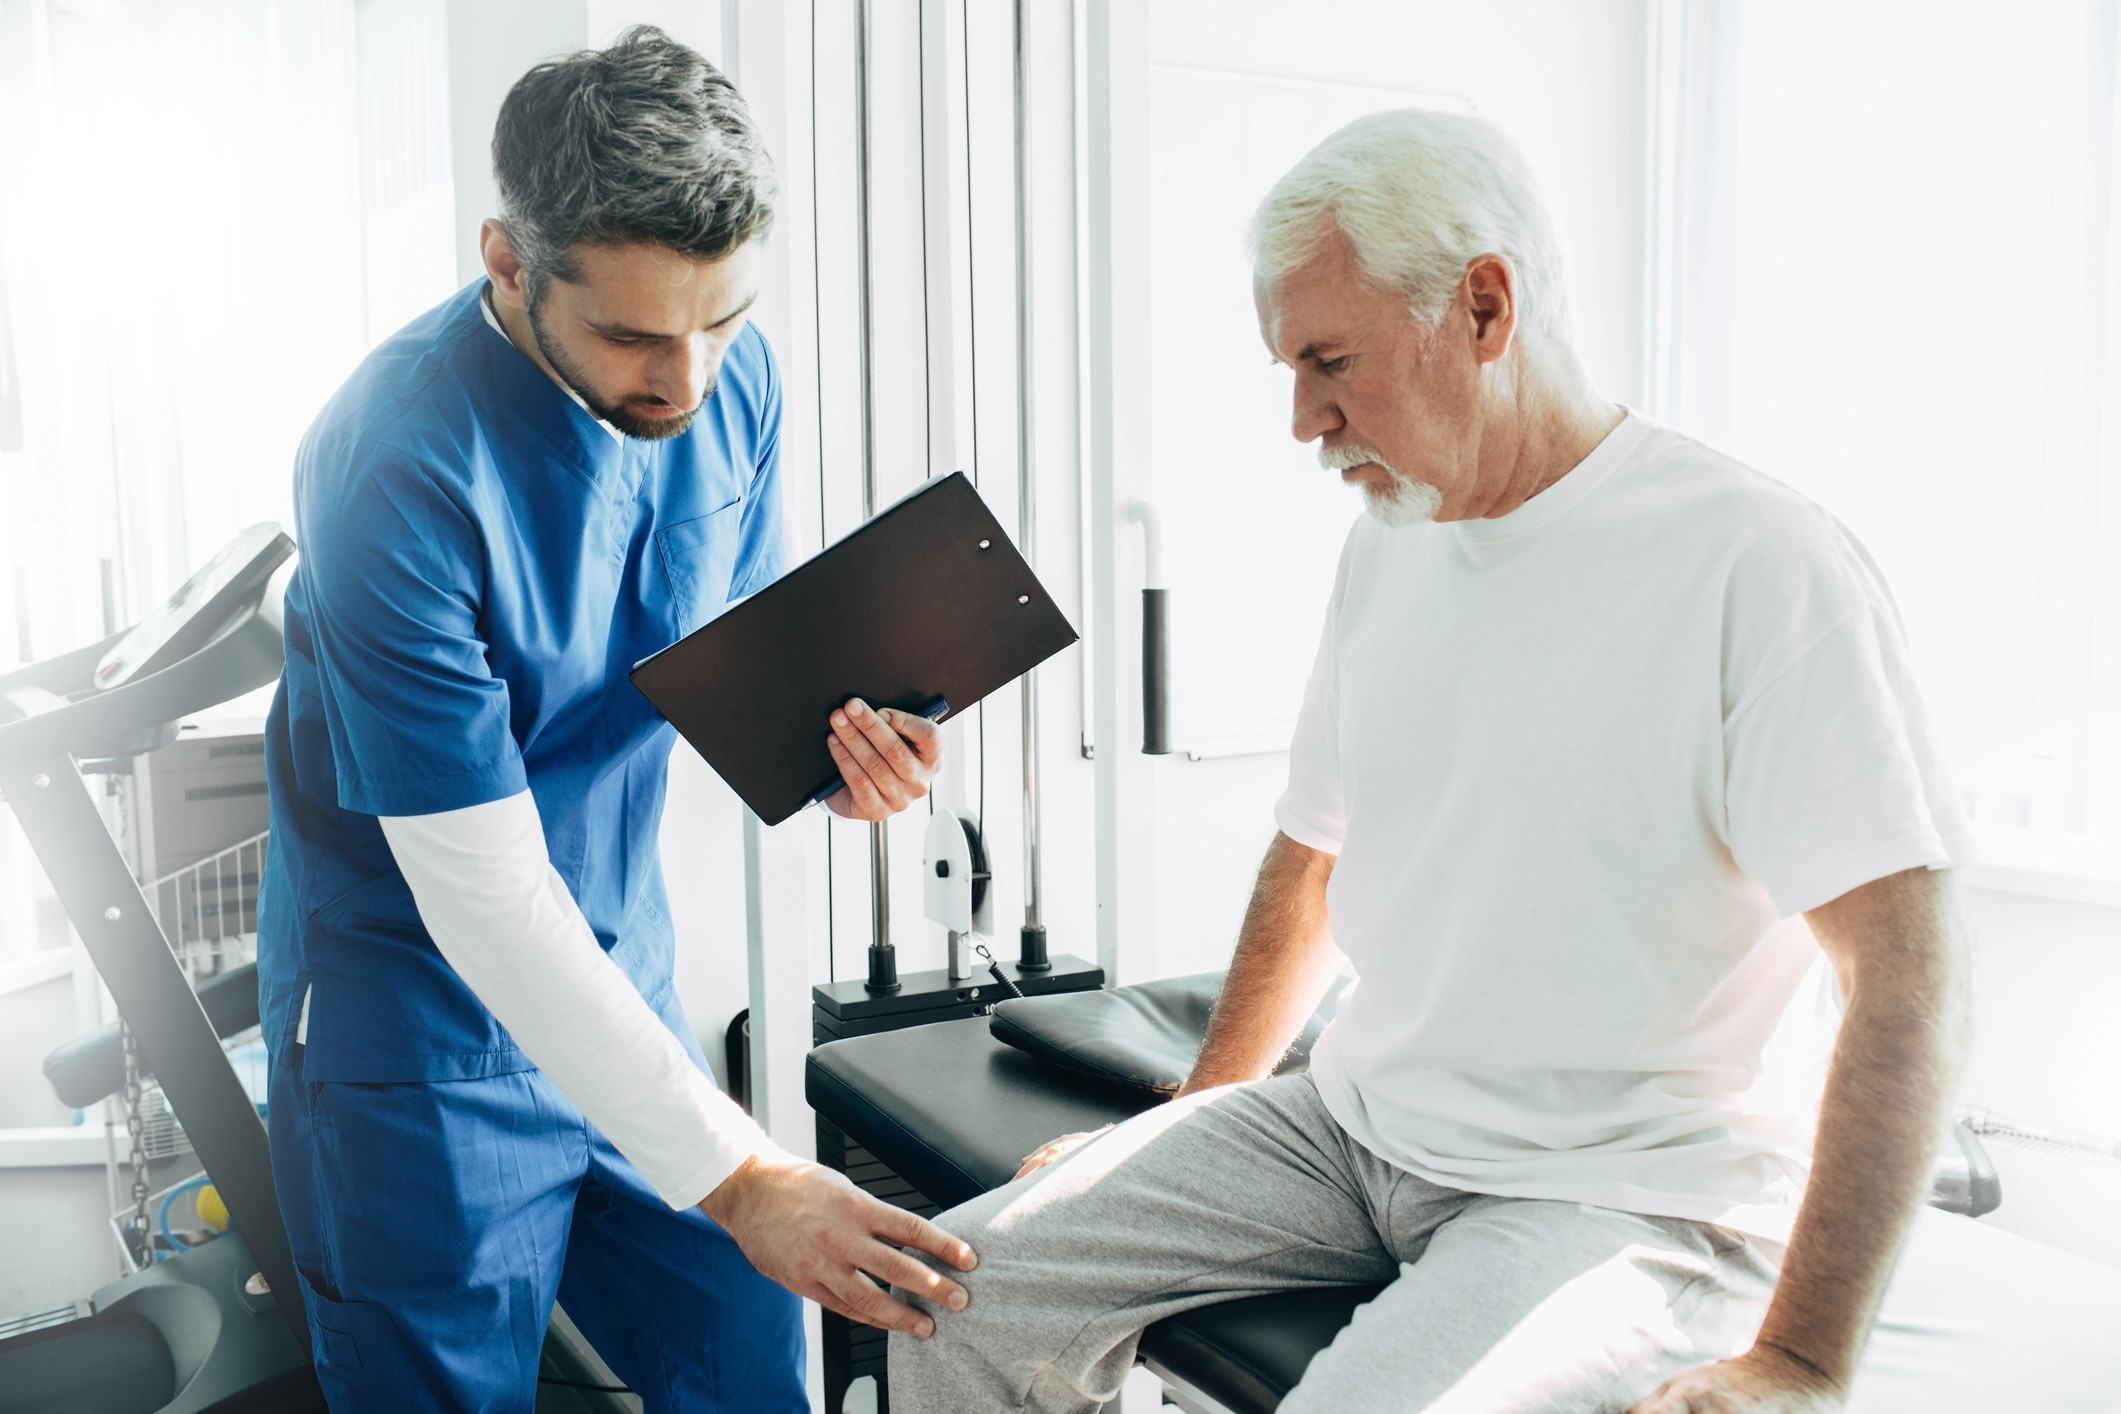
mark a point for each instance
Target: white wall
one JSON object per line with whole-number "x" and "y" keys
{"x": 491, "y": 44}
{"x": 2047, "y": 977}
{"x": 34, "y": 1020}
{"x": 2047, "y": 1052}
{"x": 703, "y": 868}
{"x": 1564, "y": 76}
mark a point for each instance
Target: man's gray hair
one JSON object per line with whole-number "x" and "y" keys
{"x": 1420, "y": 195}
{"x": 643, "y": 141}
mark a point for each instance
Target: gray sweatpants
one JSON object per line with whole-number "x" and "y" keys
{"x": 1495, "y": 1304}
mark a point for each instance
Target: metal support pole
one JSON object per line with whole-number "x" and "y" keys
{"x": 1031, "y": 954}
{"x": 883, "y": 958}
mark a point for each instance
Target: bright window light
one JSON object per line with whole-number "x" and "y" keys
{"x": 209, "y": 213}
{"x": 1922, "y": 322}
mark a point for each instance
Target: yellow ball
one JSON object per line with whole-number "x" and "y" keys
{"x": 212, "y": 1211}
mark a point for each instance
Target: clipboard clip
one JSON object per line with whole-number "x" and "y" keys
{"x": 935, "y": 709}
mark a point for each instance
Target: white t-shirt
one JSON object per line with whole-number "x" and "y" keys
{"x": 1578, "y": 762}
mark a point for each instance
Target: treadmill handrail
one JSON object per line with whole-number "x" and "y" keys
{"x": 116, "y": 719}
{"x": 69, "y": 672}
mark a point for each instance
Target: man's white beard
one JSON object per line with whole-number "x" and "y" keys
{"x": 1405, "y": 502}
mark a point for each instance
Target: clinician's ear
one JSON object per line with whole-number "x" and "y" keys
{"x": 510, "y": 282}
{"x": 1491, "y": 299}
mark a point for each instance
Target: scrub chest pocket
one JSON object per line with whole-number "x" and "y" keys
{"x": 699, "y": 555}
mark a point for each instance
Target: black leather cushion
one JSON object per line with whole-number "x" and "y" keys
{"x": 953, "y": 1111}
{"x": 950, "y": 1108}
{"x": 1144, "y": 1036}
{"x": 1247, "y": 1354}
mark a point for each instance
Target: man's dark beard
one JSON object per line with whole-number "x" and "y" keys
{"x": 647, "y": 429}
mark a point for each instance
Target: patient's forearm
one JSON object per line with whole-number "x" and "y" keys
{"x": 1284, "y": 962}
{"x": 1902, "y": 957}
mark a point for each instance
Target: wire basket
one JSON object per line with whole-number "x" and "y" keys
{"x": 209, "y": 910}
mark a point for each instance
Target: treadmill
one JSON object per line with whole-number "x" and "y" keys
{"x": 219, "y": 1328}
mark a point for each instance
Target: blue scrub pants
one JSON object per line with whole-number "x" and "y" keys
{"x": 434, "y": 1224}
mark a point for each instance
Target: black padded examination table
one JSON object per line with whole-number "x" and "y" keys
{"x": 1978, "y": 1320}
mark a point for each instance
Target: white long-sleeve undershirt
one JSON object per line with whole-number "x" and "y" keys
{"x": 505, "y": 920}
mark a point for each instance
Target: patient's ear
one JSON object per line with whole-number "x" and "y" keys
{"x": 1489, "y": 295}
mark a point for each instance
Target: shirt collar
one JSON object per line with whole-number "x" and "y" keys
{"x": 1571, "y": 490}
{"x": 493, "y": 322}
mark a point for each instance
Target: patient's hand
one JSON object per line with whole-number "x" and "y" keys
{"x": 815, "y": 1233}
{"x": 886, "y": 759}
{"x": 1764, "y": 1380}
{"x": 1053, "y": 1149}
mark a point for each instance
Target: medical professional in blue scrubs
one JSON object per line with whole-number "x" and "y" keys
{"x": 485, "y": 1094}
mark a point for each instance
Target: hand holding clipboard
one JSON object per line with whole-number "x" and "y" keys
{"x": 886, "y": 759}
{"x": 926, "y": 608}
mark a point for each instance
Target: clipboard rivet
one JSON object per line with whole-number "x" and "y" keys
{"x": 1023, "y": 598}
{"x": 985, "y": 543}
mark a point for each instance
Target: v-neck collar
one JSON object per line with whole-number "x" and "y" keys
{"x": 493, "y": 322}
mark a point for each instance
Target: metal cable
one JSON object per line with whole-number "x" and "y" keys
{"x": 1026, "y": 478}
{"x": 879, "y": 842}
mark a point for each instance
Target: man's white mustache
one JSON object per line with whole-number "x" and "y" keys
{"x": 1352, "y": 454}
{"x": 1405, "y": 502}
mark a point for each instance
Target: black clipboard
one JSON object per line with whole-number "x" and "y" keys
{"x": 927, "y": 607}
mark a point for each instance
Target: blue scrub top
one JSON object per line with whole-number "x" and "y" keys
{"x": 482, "y": 564}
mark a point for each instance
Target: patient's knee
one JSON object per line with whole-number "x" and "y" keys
{"x": 1002, "y": 1285}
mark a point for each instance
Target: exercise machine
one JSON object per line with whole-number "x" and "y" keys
{"x": 955, "y": 895}
{"x": 218, "y": 1328}
{"x": 1977, "y": 1319}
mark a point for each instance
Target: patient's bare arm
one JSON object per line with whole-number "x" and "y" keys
{"x": 1900, "y": 950}
{"x": 1285, "y": 960}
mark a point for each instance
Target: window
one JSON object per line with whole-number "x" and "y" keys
{"x": 209, "y": 212}
{"x": 1902, "y": 306}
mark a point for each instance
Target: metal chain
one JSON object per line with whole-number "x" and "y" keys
{"x": 135, "y": 1227}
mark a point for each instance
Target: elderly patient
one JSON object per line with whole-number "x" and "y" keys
{"x": 1595, "y": 710}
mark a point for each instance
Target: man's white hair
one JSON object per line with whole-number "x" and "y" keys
{"x": 1420, "y": 195}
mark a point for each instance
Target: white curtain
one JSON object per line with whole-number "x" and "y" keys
{"x": 210, "y": 210}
